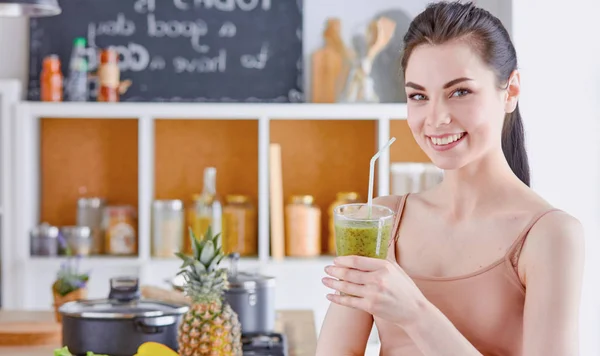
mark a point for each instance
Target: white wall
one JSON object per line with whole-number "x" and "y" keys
{"x": 560, "y": 62}
{"x": 13, "y": 52}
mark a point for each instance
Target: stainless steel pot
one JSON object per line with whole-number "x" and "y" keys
{"x": 117, "y": 326}
{"x": 252, "y": 297}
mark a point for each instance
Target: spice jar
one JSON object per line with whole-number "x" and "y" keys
{"x": 120, "y": 230}
{"x": 44, "y": 240}
{"x": 341, "y": 199}
{"x": 167, "y": 227}
{"x": 239, "y": 226}
{"x": 51, "y": 79}
{"x": 303, "y": 227}
{"x": 89, "y": 213}
{"x": 78, "y": 238}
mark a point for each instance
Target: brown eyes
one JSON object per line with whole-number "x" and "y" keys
{"x": 460, "y": 92}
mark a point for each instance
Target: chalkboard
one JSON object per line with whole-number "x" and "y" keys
{"x": 182, "y": 50}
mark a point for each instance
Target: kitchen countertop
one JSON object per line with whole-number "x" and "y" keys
{"x": 297, "y": 325}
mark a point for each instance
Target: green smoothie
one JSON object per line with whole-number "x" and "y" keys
{"x": 362, "y": 238}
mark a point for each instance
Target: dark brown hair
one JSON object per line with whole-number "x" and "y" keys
{"x": 445, "y": 21}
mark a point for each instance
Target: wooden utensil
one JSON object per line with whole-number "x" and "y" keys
{"x": 30, "y": 333}
{"x": 276, "y": 190}
{"x": 381, "y": 32}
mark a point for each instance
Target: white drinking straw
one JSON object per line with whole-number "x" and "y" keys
{"x": 372, "y": 172}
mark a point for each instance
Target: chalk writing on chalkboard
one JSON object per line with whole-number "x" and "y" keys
{"x": 183, "y": 50}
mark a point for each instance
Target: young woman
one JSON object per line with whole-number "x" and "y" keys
{"x": 480, "y": 264}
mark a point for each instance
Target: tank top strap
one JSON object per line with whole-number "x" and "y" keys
{"x": 514, "y": 252}
{"x": 399, "y": 210}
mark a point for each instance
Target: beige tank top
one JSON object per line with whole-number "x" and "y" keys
{"x": 486, "y": 306}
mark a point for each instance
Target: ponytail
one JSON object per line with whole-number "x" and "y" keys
{"x": 513, "y": 145}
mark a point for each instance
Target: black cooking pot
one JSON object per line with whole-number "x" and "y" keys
{"x": 117, "y": 326}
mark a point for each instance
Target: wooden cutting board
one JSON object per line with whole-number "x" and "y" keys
{"x": 30, "y": 333}
{"x": 327, "y": 65}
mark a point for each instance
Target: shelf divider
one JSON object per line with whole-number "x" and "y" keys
{"x": 145, "y": 189}
{"x": 263, "y": 189}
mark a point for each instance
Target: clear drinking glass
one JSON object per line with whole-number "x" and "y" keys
{"x": 359, "y": 233}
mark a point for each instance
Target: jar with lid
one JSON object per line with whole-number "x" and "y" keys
{"x": 119, "y": 224}
{"x": 167, "y": 227}
{"x": 239, "y": 226}
{"x": 341, "y": 199}
{"x": 89, "y": 213}
{"x": 51, "y": 79}
{"x": 79, "y": 239}
{"x": 44, "y": 240}
{"x": 302, "y": 227}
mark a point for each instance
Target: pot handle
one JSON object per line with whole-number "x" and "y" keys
{"x": 154, "y": 325}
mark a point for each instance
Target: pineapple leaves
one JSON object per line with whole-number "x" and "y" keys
{"x": 187, "y": 260}
{"x": 215, "y": 261}
{"x": 199, "y": 268}
{"x": 207, "y": 253}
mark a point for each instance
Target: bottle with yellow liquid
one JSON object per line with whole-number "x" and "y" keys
{"x": 341, "y": 198}
{"x": 206, "y": 209}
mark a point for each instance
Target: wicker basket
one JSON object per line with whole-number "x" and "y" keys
{"x": 59, "y": 300}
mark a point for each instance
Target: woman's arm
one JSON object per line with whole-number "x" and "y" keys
{"x": 345, "y": 332}
{"x": 552, "y": 263}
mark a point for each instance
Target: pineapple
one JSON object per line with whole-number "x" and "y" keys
{"x": 210, "y": 327}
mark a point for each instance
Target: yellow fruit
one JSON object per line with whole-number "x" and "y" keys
{"x": 154, "y": 349}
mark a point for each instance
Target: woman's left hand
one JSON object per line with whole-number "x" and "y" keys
{"x": 377, "y": 286}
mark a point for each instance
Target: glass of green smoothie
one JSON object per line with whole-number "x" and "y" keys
{"x": 361, "y": 232}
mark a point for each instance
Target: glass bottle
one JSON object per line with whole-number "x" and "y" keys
{"x": 109, "y": 76}
{"x": 77, "y": 82}
{"x": 51, "y": 79}
{"x": 341, "y": 198}
{"x": 206, "y": 209}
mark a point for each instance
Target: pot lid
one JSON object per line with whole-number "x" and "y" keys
{"x": 245, "y": 280}
{"x": 123, "y": 302}
{"x": 114, "y": 309}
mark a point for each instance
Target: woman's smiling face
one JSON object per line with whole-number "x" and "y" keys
{"x": 455, "y": 107}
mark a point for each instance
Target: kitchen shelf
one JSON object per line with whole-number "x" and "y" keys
{"x": 214, "y": 111}
{"x": 164, "y": 150}
{"x": 54, "y": 262}
{"x": 83, "y": 158}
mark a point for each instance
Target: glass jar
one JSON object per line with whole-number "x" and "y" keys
{"x": 44, "y": 240}
{"x": 89, "y": 213}
{"x": 79, "y": 239}
{"x": 239, "y": 226}
{"x": 119, "y": 224}
{"x": 302, "y": 227}
{"x": 167, "y": 228}
{"x": 341, "y": 198}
